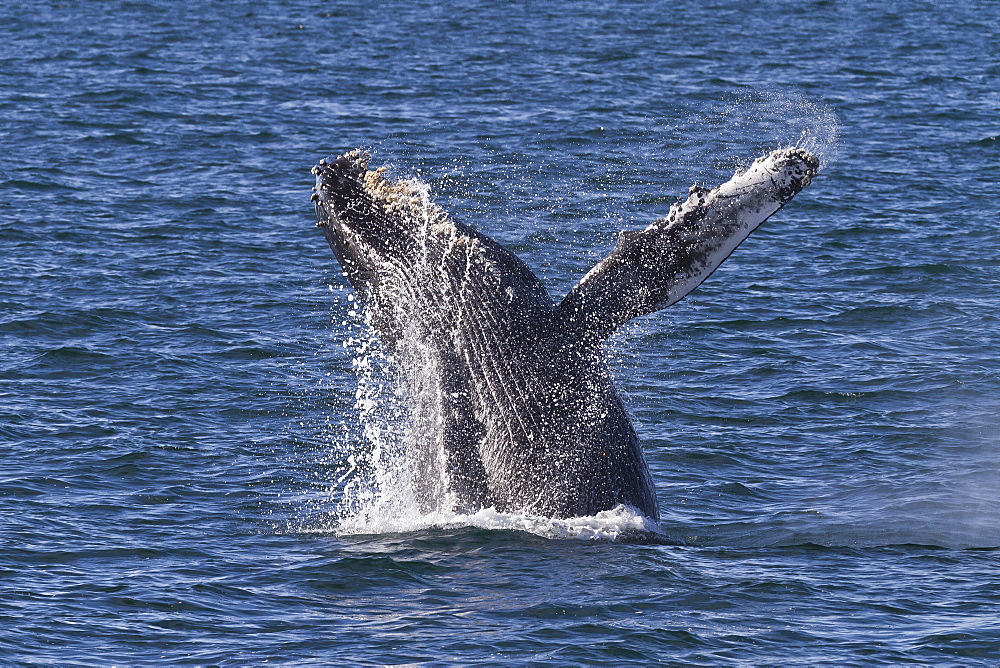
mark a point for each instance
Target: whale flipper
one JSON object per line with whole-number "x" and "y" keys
{"x": 653, "y": 268}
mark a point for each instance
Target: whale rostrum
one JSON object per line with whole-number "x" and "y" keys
{"x": 512, "y": 404}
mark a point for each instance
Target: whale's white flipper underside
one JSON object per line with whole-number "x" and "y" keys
{"x": 653, "y": 268}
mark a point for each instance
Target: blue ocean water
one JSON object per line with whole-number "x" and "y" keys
{"x": 180, "y": 358}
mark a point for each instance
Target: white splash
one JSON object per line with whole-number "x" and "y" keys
{"x": 373, "y": 493}
{"x": 608, "y": 525}
{"x": 374, "y": 479}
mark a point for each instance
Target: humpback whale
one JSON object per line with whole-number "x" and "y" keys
{"x": 512, "y": 404}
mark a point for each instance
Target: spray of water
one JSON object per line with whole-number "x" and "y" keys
{"x": 707, "y": 146}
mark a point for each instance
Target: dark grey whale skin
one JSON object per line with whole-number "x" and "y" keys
{"x": 513, "y": 401}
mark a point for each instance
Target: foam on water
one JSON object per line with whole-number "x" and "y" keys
{"x": 613, "y": 524}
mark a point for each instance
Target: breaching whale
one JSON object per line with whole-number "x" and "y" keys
{"x": 512, "y": 403}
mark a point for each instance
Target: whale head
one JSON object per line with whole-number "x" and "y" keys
{"x": 368, "y": 217}
{"x": 372, "y": 223}
{"x": 346, "y": 206}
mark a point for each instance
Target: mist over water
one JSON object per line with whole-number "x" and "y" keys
{"x": 202, "y": 444}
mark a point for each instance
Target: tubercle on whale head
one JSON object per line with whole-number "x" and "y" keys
{"x": 351, "y": 210}
{"x": 339, "y": 183}
{"x": 379, "y": 210}
{"x": 372, "y": 220}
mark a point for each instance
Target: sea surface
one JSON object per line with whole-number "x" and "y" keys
{"x": 186, "y": 384}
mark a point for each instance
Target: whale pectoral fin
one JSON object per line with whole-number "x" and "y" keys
{"x": 653, "y": 268}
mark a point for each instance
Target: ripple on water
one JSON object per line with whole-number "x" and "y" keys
{"x": 176, "y": 405}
